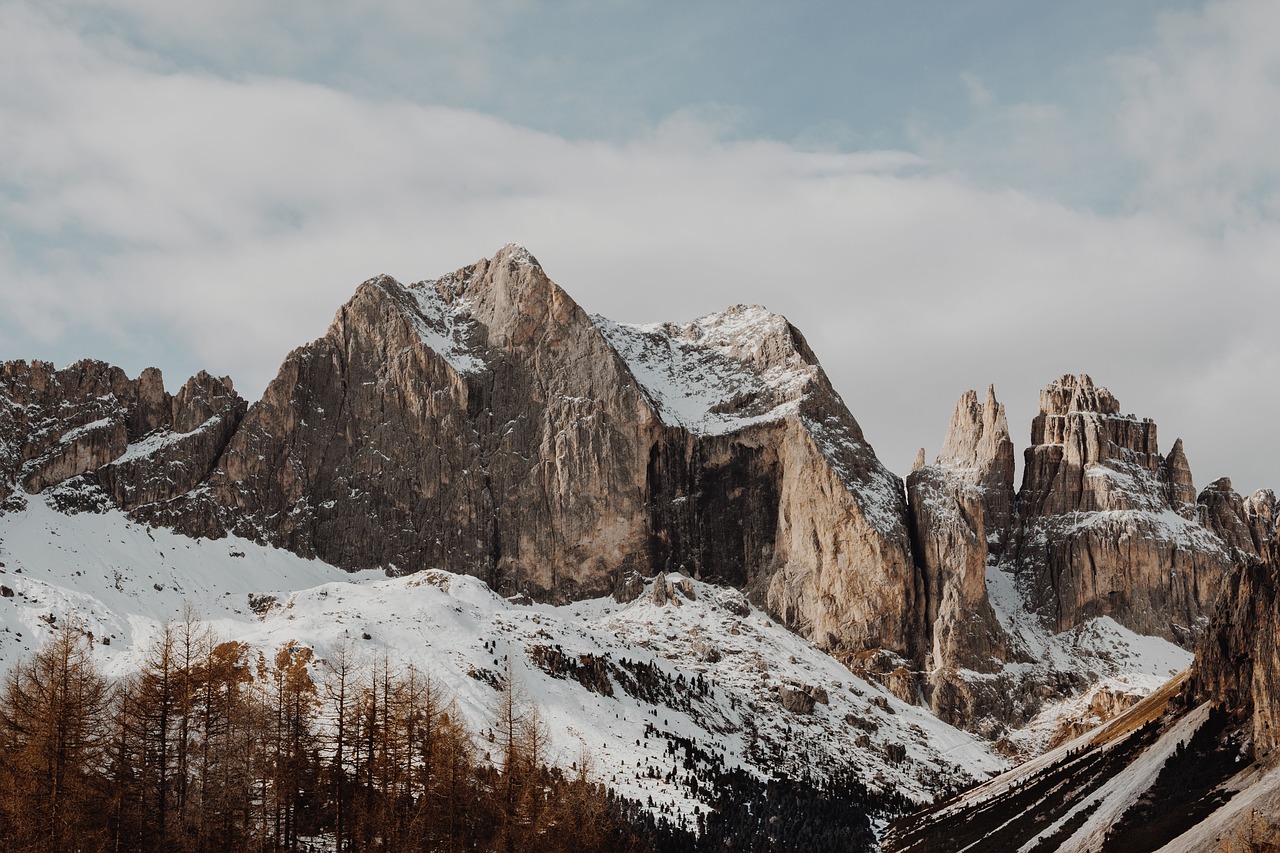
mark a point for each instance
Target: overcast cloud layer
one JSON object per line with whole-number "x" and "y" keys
{"x": 204, "y": 189}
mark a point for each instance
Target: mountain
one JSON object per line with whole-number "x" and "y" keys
{"x": 694, "y": 499}
{"x": 1104, "y": 534}
{"x": 668, "y": 692}
{"x": 484, "y": 424}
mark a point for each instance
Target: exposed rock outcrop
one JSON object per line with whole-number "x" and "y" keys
{"x": 1105, "y": 524}
{"x": 1222, "y": 511}
{"x": 961, "y": 511}
{"x": 1261, "y": 512}
{"x": 128, "y": 436}
{"x": 1182, "y": 489}
{"x": 180, "y": 452}
{"x": 979, "y": 451}
{"x": 1238, "y": 658}
{"x": 1246, "y": 525}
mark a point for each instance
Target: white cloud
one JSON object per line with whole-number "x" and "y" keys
{"x": 204, "y": 221}
{"x": 1202, "y": 111}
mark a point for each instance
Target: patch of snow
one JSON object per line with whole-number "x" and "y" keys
{"x": 159, "y": 440}
{"x": 442, "y": 325}
{"x": 1162, "y": 524}
{"x": 78, "y": 432}
{"x": 717, "y": 374}
{"x": 879, "y": 492}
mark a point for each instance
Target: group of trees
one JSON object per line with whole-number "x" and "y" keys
{"x": 214, "y": 746}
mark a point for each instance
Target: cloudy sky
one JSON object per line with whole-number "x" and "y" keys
{"x": 940, "y": 195}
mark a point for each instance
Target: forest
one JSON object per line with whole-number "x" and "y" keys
{"x": 214, "y": 746}
{"x": 211, "y": 746}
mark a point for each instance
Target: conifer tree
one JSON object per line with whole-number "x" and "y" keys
{"x": 52, "y": 716}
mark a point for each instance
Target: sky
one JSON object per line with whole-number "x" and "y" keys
{"x": 940, "y": 195}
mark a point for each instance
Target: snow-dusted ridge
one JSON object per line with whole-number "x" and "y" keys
{"x": 718, "y": 373}
{"x": 123, "y": 580}
{"x": 442, "y": 324}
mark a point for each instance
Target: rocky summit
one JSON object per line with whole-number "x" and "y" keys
{"x": 484, "y": 424}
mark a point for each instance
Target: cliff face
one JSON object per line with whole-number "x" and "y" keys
{"x": 761, "y": 477}
{"x": 478, "y": 423}
{"x": 1238, "y": 658}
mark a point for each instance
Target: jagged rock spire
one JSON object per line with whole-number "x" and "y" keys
{"x": 978, "y": 437}
{"x": 1182, "y": 489}
{"x": 1095, "y": 484}
{"x": 961, "y": 509}
{"x": 979, "y": 451}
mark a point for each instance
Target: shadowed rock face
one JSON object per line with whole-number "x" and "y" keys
{"x": 1238, "y": 657}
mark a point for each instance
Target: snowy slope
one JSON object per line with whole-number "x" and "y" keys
{"x": 1117, "y": 664}
{"x": 442, "y": 323}
{"x": 703, "y": 666}
{"x": 1165, "y": 775}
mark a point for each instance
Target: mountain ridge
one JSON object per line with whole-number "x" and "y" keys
{"x": 485, "y": 424}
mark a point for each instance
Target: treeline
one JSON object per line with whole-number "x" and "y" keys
{"x": 213, "y": 746}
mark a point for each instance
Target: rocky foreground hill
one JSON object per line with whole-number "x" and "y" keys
{"x": 1193, "y": 768}
{"x": 484, "y": 424}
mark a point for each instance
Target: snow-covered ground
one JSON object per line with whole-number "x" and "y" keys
{"x": 1112, "y": 657}
{"x": 703, "y": 668}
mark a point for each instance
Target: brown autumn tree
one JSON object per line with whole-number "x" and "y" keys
{"x": 223, "y": 782}
{"x": 287, "y": 763}
{"x": 52, "y": 720}
{"x": 208, "y": 749}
